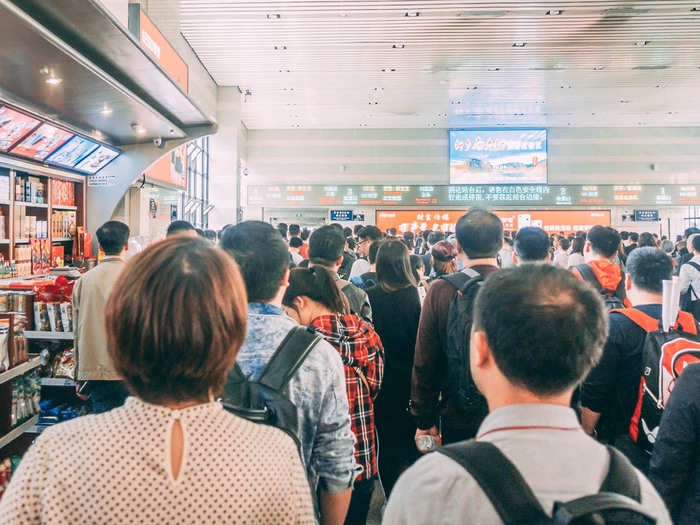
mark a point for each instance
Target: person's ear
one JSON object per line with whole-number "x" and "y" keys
{"x": 285, "y": 279}
{"x": 480, "y": 353}
{"x": 126, "y": 246}
{"x": 515, "y": 258}
{"x": 588, "y": 247}
{"x": 339, "y": 262}
{"x": 628, "y": 282}
{"x": 549, "y": 257}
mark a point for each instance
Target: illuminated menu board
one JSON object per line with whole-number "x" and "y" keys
{"x": 13, "y": 126}
{"x": 42, "y": 142}
{"x": 475, "y": 194}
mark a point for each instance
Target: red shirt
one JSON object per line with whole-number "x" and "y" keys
{"x": 362, "y": 353}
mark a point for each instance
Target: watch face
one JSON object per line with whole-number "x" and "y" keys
{"x": 42, "y": 142}
{"x": 13, "y": 126}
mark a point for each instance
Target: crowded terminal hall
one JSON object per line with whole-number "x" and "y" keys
{"x": 341, "y": 262}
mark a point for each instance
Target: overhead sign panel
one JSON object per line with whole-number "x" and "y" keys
{"x": 498, "y": 156}
{"x": 42, "y": 142}
{"x": 72, "y": 152}
{"x": 13, "y": 126}
{"x": 97, "y": 160}
{"x": 474, "y": 194}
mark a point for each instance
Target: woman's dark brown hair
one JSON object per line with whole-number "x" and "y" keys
{"x": 317, "y": 284}
{"x": 176, "y": 319}
{"x": 394, "y": 270}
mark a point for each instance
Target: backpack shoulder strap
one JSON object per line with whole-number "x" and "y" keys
{"x": 458, "y": 280}
{"x": 694, "y": 265}
{"x": 621, "y": 478}
{"x": 644, "y": 321}
{"x": 499, "y": 479}
{"x": 288, "y": 357}
{"x": 588, "y": 275}
{"x": 687, "y": 322}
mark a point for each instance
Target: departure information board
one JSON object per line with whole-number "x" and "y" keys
{"x": 475, "y": 194}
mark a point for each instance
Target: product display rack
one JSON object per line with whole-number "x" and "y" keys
{"x": 48, "y": 336}
{"x": 43, "y": 211}
{"x": 34, "y": 361}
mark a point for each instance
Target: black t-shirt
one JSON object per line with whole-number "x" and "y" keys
{"x": 612, "y": 387}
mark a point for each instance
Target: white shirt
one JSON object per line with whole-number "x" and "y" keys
{"x": 546, "y": 444}
{"x": 576, "y": 259}
{"x": 506, "y": 258}
{"x": 296, "y": 258}
{"x": 115, "y": 468}
{"x": 561, "y": 258}
{"x": 359, "y": 267}
{"x": 690, "y": 276}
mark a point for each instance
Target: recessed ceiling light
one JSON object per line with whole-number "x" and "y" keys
{"x": 284, "y": 71}
{"x": 494, "y": 69}
{"x": 398, "y": 46}
{"x": 389, "y": 69}
{"x": 519, "y": 44}
{"x": 274, "y": 16}
{"x": 280, "y": 47}
{"x": 171, "y": 131}
{"x": 554, "y": 12}
{"x": 138, "y": 128}
{"x": 412, "y": 13}
{"x": 53, "y": 80}
{"x": 598, "y": 68}
{"x": 106, "y": 111}
{"x": 373, "y": 102}
{"x": 641, "y": 43}
{"x": 624, "y": 101}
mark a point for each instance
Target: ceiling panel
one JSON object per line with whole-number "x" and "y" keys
{"x": 379, "y": 64}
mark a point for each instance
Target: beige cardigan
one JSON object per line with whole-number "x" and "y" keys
{"x": 90, "y": 295}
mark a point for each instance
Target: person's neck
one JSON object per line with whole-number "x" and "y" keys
{"x": 639, "y": 297}
{"x": 485, "y": 261}
{"x": 333, "y": 269}
{"x": 511, "y": 395}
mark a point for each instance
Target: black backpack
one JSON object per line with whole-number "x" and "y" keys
{"x": 264, "y": 401}
{"x": 461, "y": 387}
{"x": 613, "y": 299}
{"x": 688, "y": 304}
{"x": 617, "y": 503}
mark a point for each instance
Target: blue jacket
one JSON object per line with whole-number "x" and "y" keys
{"x": 675, "y": 465}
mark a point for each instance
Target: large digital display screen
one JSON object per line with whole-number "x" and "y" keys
{"x": 42, "y": 142}
{"x": 13, "y": 126}
{"x": 72, "y": 152}
{"x": 553, "y": 221}
{"x": 498, "y": 156}
{"x": 97, "y": 160}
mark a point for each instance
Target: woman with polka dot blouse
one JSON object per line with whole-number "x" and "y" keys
{"x": 175, "y": 320}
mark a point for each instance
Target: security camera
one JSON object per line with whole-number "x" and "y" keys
{"x": 158, "y": 142}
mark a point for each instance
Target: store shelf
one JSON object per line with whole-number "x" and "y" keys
{"x": 31, "y": 204}
{"x": 57, "y": 381}
{"x": 62, "y": 239}
{"x": 18, "y": 431}
{"x": 4, "y": 241}
{"x": 62, "y": 207}
{"x": 21, "y": 241}
{"x": 20, "y": 369}
{"x": 59, "y": 336}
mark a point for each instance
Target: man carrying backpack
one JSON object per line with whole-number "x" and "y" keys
{"x": 690, "y": 278}
{"x": 602, "y": 244}
{"x": 438, "y": 388}
{"x": 537, "y": 331}
{"x": 613, "y": 395}
{"x": 317, "y": 384}
{"x": 369, "y": 279}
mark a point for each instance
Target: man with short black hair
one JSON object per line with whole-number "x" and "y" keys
{"x": 479, "y": 239}
{"x": 610, "y": 392}
{"x": 283, "y": 229}
{"x": 602, "y": 245}
{"x": 90, "y": 295}
{"x": 181, "y": 228}
{"x": 367, "y": 236}
{"x": 317, "y": 388}
{"x": 326, "y": 249}
{"x": 294, "y": 231}
{"x": 295, "y": 245}
{"x": 531, "y": 245}
{"x": 537, "y": 332}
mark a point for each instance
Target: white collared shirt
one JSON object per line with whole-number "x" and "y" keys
{"x": 690, "y": 276}
{"x": 546, "y": 444}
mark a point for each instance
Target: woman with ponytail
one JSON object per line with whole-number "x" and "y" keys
{"x": 314, "y": 300}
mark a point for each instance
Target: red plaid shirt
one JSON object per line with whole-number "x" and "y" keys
{"x": 362, "y": 353}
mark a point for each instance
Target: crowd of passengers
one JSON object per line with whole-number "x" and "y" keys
{"x": 474, "y": 377}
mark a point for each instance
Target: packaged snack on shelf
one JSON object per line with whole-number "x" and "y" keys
{"x": 55, "y": 320}
{"x": 41, "y": 317}
{"x": 4, "y": 350}
{"x": 67, "y": 316}
{"x": 64, "y": 364}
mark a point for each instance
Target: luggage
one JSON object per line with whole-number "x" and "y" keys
{"x": 664, "y": 355}
{"x": 618, "y": 501}
{"x": 461, "y": 386}
{"x": 264, "y": 401}
{"x": 613, "y": 299}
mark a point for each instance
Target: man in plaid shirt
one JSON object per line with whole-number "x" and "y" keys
{"x": 362, "y": 353}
